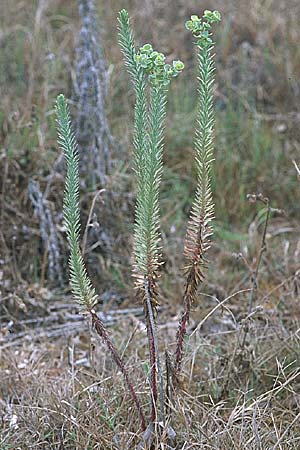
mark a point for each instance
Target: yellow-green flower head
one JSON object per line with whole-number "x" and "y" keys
{"x": 211, "y": 16}
{"x": 143, "y": 60}
{"x": 154, "y": 55}
{"x": 160, "y": 59}
{"x": 200, "y": 27}
{"x": 168, "y": 70}
{"x": 147, "y": 49}
{"x": 154, "y": 64}
{"x": 178, "y": 65}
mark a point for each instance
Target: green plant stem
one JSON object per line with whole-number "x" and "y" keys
{"x": 151, "y": 77}
{"x": 147, "y": 229}
{"x": 81, "y": 285}
{"x": 199, "y": 228}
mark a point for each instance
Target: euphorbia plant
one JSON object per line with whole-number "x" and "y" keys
{"x": 151, "y": 76}
{"x": 199, "y": 228}
{"x": 81, "y": 285}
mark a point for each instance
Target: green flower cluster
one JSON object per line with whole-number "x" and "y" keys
{"x": 154, "y": 64}
{"x": 200, "y": 27}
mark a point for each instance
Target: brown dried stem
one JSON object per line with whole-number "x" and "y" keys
{"x": 102, "y": 332}
{"x": 155, "y": 366}
{"x": 253, "y": 198}
{"x": 195, "y": 276}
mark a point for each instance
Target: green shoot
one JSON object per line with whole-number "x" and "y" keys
{"x": 202, "y": 212}
{"x": 81, "y": 285}
{"x": 151, "y": 77}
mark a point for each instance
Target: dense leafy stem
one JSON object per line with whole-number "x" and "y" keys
{"x": 81, "y": 285}
{"x": 151, "y": 77}
{"x": 145, "y": 65}
{"x": 199, "y": 228}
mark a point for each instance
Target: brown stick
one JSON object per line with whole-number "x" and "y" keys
{"x": 189, "y": 294}
{"x": 152, "y": 359}
{"x": 154, "y": 352}
{"x": 263, "y": 248}
{"x": 101, "y": 331}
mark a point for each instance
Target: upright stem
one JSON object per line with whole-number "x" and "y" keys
{"x": 101, "y": 331}
{"x": 154, "y": 356}
{"x": 262, "y": 250}
{"x": 81, "y": 284}
{"x": 151, "y": 77}
{"x": 190, "y": 291}
{"x": 199, "y": 229}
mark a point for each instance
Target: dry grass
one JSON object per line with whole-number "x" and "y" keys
{"x": 241, "y": 386}
{"x": 65, "y": 393}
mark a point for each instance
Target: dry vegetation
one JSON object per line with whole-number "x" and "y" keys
{"x": 59, "y": 389}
